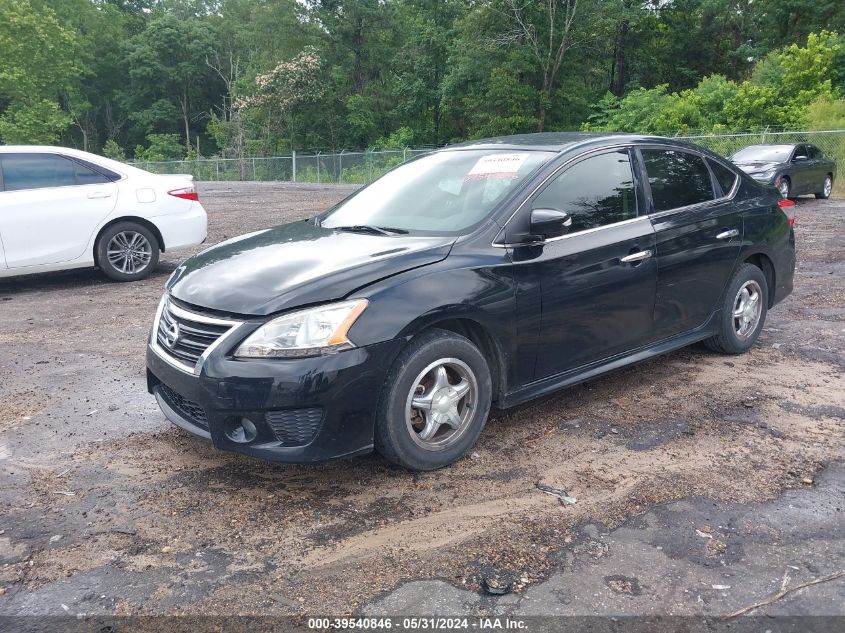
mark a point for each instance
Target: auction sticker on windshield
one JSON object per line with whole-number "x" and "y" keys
{"x": 497, "y": 166}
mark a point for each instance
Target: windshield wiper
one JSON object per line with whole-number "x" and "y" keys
{"x": 375, "y": 230}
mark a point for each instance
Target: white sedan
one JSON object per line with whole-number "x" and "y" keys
{"x": 61, "y": 208}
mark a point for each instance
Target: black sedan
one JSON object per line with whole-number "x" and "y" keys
{"x": 485, "y": 274}
{"x": 795, "y": 169}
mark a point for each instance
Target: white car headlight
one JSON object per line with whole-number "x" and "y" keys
{"x": 311, "y": 332}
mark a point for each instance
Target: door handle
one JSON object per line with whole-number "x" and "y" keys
{"x": 636, "y": 257}
{"x": 96, "y": 195}
{"x": 727, "y": 235}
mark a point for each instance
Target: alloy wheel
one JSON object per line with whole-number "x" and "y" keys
{"x": 441, "y": 404}
{"x": 783, "y": 187}
{"x": 748, "y": 307}
{"x": 828, "y": 187}
{"x": 129, "y": 252}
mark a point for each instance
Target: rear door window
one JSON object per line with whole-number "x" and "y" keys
{"x": 37, "y": 171}
{"x": 677, "y": 179}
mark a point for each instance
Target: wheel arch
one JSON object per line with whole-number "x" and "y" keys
{"x": 129, "y": 218}
{"x": 763, "y": 262}
{"x": 482, "y": 337}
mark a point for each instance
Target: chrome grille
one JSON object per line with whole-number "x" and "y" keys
{"x": 185, "y": 335}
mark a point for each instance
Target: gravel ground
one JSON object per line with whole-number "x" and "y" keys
{"x": 108, "y": 509}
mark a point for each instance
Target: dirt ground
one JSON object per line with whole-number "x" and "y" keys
{"x": 107, "y": 508}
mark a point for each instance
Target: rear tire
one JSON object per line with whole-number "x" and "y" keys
{"x": 827, "y": 188}
{"x": 743, "y": 312}
{"x": 127, "y": 251}
{"x": 448, "y": 379}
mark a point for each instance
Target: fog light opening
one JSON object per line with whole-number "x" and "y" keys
{"x": 241, "y": 431}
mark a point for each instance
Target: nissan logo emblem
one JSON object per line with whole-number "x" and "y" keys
{"x": 171, "y": 334}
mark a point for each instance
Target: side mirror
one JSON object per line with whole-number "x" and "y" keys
{"x": 548, "y": 223}
{"x": 799, "y": 159}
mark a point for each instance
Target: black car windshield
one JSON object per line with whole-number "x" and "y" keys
{"x": 442, "y": 193}
{"x": 764, "y": 153}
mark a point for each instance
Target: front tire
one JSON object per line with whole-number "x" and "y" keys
{"x": 435, "y": 402}
{"x": 785, "y": 187}
{"x": 743, "y": 312}
{"x": 827, "y": 188}
{"x": 127, "y": 251}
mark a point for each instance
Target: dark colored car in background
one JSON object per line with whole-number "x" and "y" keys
{"x": 795, "y": 169}
{"x": 484, "y": 274}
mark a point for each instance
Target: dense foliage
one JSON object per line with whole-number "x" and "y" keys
{"x": 159, "y": 79}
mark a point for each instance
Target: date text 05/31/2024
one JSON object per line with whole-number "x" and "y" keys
{"x": 418, "y": 623}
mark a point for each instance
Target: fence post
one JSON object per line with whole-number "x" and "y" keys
{"x": 369, "y": 165}
{"x": 340, "y": 170}
{"x": 293, "y": 163}
{"x": 318, "y": 168}
{"x": 404, "y": 154}
{"x": 254, "y": 173}
{"x": 217, "y": 169}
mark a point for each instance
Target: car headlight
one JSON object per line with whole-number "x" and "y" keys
{"x": 311, "y": 332}
{"x": 764, "y": 175}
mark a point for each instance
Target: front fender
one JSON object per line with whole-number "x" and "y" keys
{"x": 471, "y": 287}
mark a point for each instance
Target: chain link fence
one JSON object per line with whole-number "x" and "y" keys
{"x": 344, "y": 167}
{"x": 363, "y": 167}
{"x": 831, "y": 142}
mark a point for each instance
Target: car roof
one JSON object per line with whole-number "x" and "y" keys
{"x": 562, "y": 141}
{"x": 41, "y": 149}
{"x": 102, "y": 161}
{"x": 774, "y": 145}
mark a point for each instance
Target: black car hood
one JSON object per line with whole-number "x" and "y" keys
{"x": 296, "y": 264}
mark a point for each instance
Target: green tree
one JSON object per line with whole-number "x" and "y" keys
{"x": 826, "y": 114}
{"x": 161, "y": 147}
{"x": 422, "y": 60}
{"x": 114, "y": 151}
{"x": 279, "y": 94}
{"x": 170, "y": 77}
{"x": 38, "y": 67}
{"x": 82, "y": 72}
{"x": 783, "y": 22}
{"x": 805, "y": 73}
{"x": 547, "y": 31}
{"x": 784, "y": 85}
{"x": 93, "y": 101}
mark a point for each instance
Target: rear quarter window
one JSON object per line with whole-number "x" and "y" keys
{"x": 88, "y": 174}
{"x": 724, "y": 176}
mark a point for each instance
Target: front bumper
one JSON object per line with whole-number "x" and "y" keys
{"x": 291, "y": 410}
